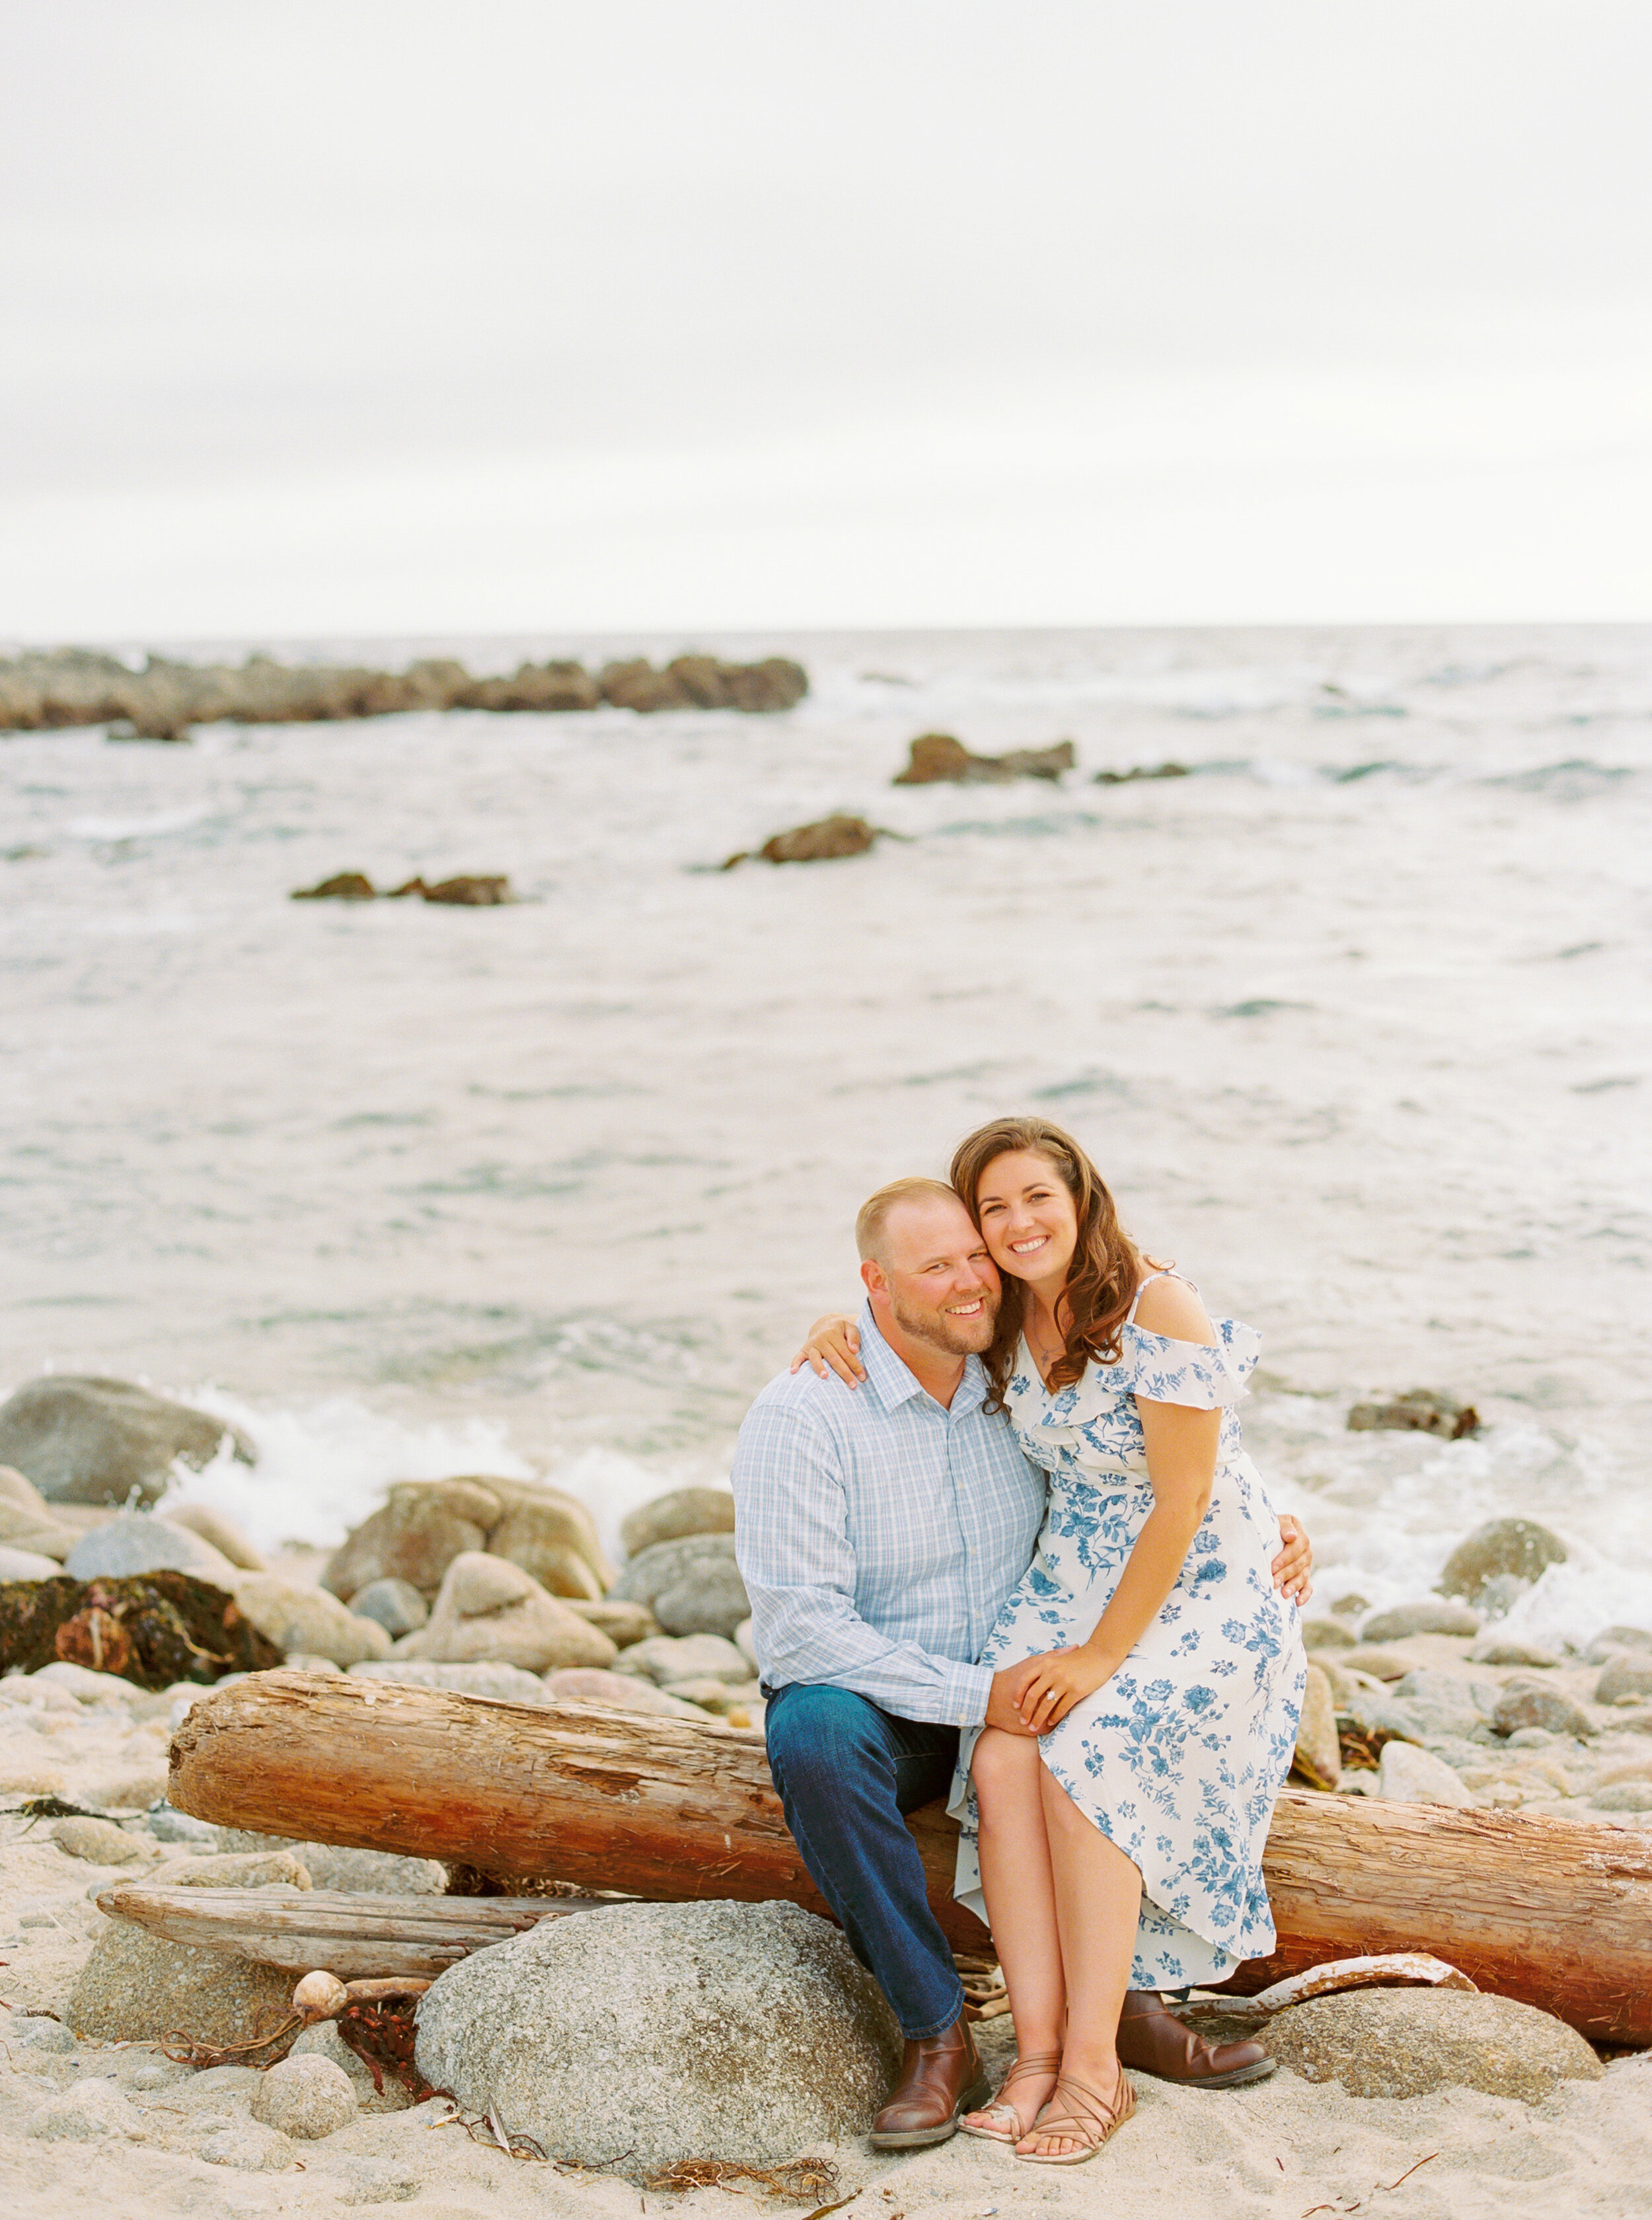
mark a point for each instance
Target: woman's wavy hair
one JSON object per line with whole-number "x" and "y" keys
{"x": 1106, "y": 1265}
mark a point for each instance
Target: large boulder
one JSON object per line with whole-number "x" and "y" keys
{"x": 397, "y": 1604}
{"x": 26, "y": 1564}
{"x": 1626, "y": 1679}
{"x": 1516, "y": 1549}
{"x": 84, "y": 1440}
{"x": 138, "y": 1988}
{"x": 1419, "y": 1410}
{"x": 1440, "y": 1703}
{"x": 134, "y": 1542}
{"x": 1529, "y": 1704}
{"x": 1319, "y": 1751}
{"x": 669, "y": 1518}
{"x": 623, "y": 1623}
{"x": 666, "y": 2031}
{"x": 551, "y": 1535}
{"x": 507, "y": 1684}
{"x": 489, "y": 1610}
{"x": 623, "y": 1692}
{"x": 692, "y": 1586}
{"x": 936, "y": 757}
{"x": 1406, "y": 1774}
{"x": 1408, "y": 2042}
{"x": 298, "y": 1617}
{"x": 417, "y": 1534}
{"x": 225, "y": 1536}
{"x": 666, "y": 1658}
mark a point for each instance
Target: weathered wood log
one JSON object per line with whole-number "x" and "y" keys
{"x": 1555, "y": 1913}
{"x": 358, "y": 1938}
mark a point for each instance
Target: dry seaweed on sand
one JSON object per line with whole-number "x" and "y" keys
{"x": 796, "y": 2181}
{"x": 183, "y": 2050}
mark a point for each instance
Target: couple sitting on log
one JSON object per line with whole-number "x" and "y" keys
{"x": 1003, "y": 1544}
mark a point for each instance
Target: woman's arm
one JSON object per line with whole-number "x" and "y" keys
{"x": 1181, "y": 1445}
{"x": 833, "y": 1342}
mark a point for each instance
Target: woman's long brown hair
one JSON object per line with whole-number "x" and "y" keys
{"x": 1107, "y": 1267}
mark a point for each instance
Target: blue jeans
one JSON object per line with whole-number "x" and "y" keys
{"x": 846, "y": 1772}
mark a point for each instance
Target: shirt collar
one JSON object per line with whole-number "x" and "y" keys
{"x": 895, "y": 1382}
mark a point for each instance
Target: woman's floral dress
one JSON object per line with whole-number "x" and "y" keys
{"x": 1179, "y": 1756}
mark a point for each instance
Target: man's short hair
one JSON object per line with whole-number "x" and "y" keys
{"x": 874, "y": 1216}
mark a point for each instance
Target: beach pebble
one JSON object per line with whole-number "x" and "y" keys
{"x": 101, "y": 1842}
{"x": 94, "y": 1441}
{"x": 239, "y": 1869}
{"x": 748, "y": 2030}
{"x": 1625, "y": 1678}
{"x": 624, "y": 1692}
{"x": 17, "y": 1489}
{"x": 221, "y": 1531}
{"x": 414, "y": 1537}
{"x": 1495, "y": 1648}
{"x": 1440, "y": 1703}
{"x": 324, "y": 2040}
{"x": 692, "y": 1586}
{"x": 397, "y": 1604}
{"x": 249, "y": 2147}
{"x": 623, "y": 1623}
{"x": 357, "y": 1872}
{"x": 306, "y": 2097}
{"x": 1381, "y": 1664}
{"x": 1406, "y": 1774}
{"x": 489, "y": 1610}
{"x": 715, "y": 1696}
{"x": 511, "y": 1684}
{"x": 87, "y": 1687}
{"x": 1607, "y": 1644}
{"x": 1352, "y": 1606}
{"x": 26, "y": 1565}
{"x": 87, "y": 2112}
{"x": 745, "y": 1643}
{"x": 1406, "y": 2042}
{"x": 668, "y": 1658}
{"x": 38, "y": 2033}
{"x": 1319, "y": 1751}
{"x": 1527, "y": 1704}
{"x": 134, "y": 1542}
{"x": 296, "y": 1616}
{"x": 1623, "y": 1796}
{"x": 1327, "y": 1634}
{"x": 1517, "y": 1549}
{"x": 1431, "y": 1615}
{"x": 1531, "y": 1738}
{"x": 669, "y": 1518}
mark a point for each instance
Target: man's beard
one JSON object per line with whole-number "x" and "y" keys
{"x": 957, "y": 1336}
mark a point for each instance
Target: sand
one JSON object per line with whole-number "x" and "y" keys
{"x": 1284, "y": 2148}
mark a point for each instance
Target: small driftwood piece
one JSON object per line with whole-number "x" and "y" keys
{"x": 1391, "y": 1969}
{"x": 1556, "y": 1913}
{"x": 355, "y": 1937}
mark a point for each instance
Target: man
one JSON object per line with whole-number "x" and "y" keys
{"x": 879, "y": 1529}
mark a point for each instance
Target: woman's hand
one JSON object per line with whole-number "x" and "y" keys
{"x": 1045, "y": 1688}
{"x": 833, "y": 1343}
{"x": 1294, "y": 1562}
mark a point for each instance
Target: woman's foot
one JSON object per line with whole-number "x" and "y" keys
{"x": 1081, "y": 2116}
{"x": 1009, "y": 2118}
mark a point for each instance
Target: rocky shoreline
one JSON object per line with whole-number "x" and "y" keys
{"x": 743, "y": 2034}
{"x": 53, "y": 688}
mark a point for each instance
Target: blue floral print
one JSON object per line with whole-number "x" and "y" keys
{"x": 1178, "y": 1757}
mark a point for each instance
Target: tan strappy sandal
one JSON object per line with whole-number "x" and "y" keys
{"x": 1041, "y": 2062}
{"x": 1090, "y": 2119}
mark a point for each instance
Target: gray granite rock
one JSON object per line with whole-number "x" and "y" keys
{"x": 1406, "y": 1774}
{"x": 306, "y": 2098}
{"x": 138, "y": 1988}
{"x": 1517, "y": 1547}
{"x": 1318, "y": 1753}
{"x": 249, "y": 2148}
{"x": 423, "y": 1526}
{"x": 134, "y": 1542}
{"x": 489, "y": 1611}
{"x": 1430, "y": 1615}
{"x": 670, "y": 1518}
{"x": 221, "y": 1530}
{"x": 87, "y": 2111}
{"x": 83, "y": 1440}
{"x": 624, "y": 1691}
{"x": 748, "y": 2031}
{"x": 692, "y": 1586}
{"x": 1440, "y": 1703}
{"x": 359, "y": 1873}
{"x": 27, "y": 1565}
{"x": 1623, "y": 1796}
{"x": 1610, "y": 1639}
{"x": 324, "y": 2040}
{"x": 1327, "y": 1634}
{"x": 1495, "y": 1648}
{"x": 397, "y": 1604}
{"x": 510, "y": 1683}
{"x": 1528, "y": 1704}
{"x": 687, "y": 1657}
{"x": 1407, "y": 2043}
{"x": 296, "y": 1616}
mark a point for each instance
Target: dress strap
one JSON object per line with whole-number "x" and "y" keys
{"x": 1166, "y": 1272}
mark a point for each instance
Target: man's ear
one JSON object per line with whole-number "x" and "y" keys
{"x": 873, "y": 1278}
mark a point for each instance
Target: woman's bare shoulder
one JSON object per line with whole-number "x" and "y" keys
{"x": 1171, "y": 1307}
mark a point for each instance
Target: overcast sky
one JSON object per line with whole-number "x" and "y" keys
{"x": 520, "y": 315}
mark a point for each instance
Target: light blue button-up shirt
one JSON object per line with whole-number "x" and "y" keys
{"x": 879, "y": 1532}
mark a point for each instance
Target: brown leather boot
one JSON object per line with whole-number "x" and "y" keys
{"x": 941, "y": 2079}
{"x": 1152, "y": 2040}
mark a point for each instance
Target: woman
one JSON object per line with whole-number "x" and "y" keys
{"x": 1121, "y": 1844}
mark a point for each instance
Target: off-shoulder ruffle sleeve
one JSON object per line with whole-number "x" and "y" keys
{"x": 1197, "y": 1376}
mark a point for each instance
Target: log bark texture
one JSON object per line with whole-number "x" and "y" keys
{"x": 356, "y": 1936}
{"x": 1555, "y": 1913}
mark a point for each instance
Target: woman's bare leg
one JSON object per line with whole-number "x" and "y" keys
{"x": 1098, "y": 1898}
{"x": 1019, "y": 1885}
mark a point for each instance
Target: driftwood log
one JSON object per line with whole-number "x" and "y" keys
{"x": 355, "y": 1936}
{"x": 1555, "y": 1913}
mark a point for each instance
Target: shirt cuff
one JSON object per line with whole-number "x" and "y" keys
{"x": 966, "y": 1689}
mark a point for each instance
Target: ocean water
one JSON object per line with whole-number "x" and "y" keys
{"x": 1355, "y": 1017}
